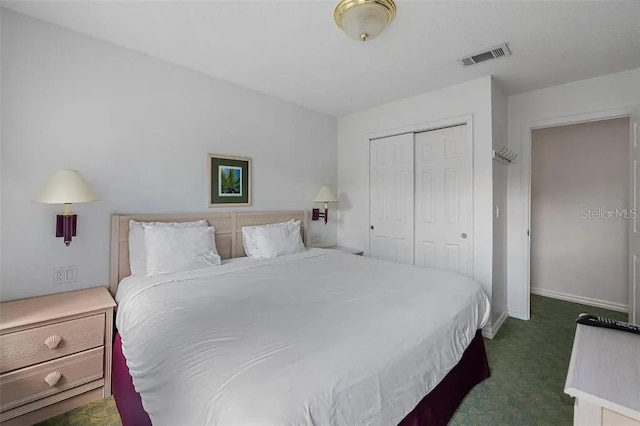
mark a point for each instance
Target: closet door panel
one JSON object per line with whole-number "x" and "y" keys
{"x": 391, "y": 204}
{"x": 443, "y": 191}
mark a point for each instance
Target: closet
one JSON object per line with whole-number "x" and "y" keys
{"x": 420, "y": 199}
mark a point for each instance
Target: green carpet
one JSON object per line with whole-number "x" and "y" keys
{"x": 528, "y": 360}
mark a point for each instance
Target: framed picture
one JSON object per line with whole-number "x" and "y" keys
{"x": 229, "y": 181}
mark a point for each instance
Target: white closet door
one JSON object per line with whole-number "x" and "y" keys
{"x": 391, "y": 198}
{"x": 443, "y": 200}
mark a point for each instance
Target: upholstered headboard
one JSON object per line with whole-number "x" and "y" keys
{"x": 228, "y": 233}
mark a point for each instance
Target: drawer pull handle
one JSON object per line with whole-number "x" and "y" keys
{"x": 53, "y": 378}
{"x": 52, "y": 342}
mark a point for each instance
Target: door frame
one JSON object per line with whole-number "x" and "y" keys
{"x": 527, "y": 130}
{"x": 460, "y": 120}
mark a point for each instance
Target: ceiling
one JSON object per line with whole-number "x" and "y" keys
{"x": 292, "y": 49}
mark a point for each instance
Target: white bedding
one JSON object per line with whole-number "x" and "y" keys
{"x": 314, "y": 338}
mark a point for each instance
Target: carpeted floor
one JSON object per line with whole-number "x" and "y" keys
{"x": 528, "y": 360}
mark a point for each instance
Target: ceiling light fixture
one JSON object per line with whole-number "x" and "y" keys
{"x": 364, "y": 19}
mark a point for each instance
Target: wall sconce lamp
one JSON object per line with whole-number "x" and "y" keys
{"x": 66, "y": 187}
{"x": 326, "y": 196}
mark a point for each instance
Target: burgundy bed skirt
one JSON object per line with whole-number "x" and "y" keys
{"x": 435, "y": 409}
{"x": 127, "y": 399}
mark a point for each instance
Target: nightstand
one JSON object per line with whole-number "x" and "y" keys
{"x": 55, "y": 354}
{"x": 347, "y": 250}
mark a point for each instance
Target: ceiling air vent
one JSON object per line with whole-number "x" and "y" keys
{"x": 496, "y": 52}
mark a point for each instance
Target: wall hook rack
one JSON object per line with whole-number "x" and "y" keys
{"x": 505, "y": 156}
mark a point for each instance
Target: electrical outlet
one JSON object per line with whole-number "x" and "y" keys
{"x": 59, "y": 275}
{"x": 65, "y": 274}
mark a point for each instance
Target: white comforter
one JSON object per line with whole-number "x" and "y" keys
{"x": 315, "y": 338}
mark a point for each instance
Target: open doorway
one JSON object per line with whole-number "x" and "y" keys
{"x": 580, "y": 211}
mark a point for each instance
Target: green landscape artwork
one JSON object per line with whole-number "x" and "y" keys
{"x": 229, "y": 181}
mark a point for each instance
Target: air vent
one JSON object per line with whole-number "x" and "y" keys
{"x": 496, "y": 52}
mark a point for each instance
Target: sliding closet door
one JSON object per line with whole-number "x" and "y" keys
{"x": 443, "y": 200}
{"x": 391, "y": 198}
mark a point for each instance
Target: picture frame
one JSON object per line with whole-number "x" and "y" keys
{"x": 229, "y": 180}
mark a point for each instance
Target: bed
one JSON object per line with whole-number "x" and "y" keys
{"x": 319, "y": 337}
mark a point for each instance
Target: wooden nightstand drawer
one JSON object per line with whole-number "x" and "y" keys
{"x": 29, "y": 347}
{"x": 32, "y": 383}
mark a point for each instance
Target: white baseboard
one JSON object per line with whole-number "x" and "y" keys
{"x": 501, "y": 319}
{"x": 491, "y": 330}
{"x": 582, "y": 300}
{"x": 518, "y": 315}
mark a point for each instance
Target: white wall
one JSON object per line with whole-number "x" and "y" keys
{"x": 500, "y": 210}
{"x": 571, "y": 102}
{"x": 1, "y": 145}
{"x": 139, "y": 130}
{"x": 579, "y": 172}
{"x": 419, "y": 112}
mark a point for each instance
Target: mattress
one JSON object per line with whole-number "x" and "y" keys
{"x": 318, "y": 338}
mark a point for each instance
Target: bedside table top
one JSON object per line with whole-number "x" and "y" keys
{"x": 45, "y": 308}
{"x": 347, "y": 250}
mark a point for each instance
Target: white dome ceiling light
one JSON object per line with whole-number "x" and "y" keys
{"x": 364, "y": 19}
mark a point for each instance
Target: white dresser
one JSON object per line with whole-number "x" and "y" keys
{"x": 604, "y": 377}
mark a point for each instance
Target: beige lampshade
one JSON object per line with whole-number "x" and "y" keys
{"x": 325, "y": 195}
{"x": 66, "y": 187}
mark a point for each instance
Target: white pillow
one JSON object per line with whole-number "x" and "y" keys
{"x": 275, "y": 239}
{"x": 137, "y": 250}
{"x": 173, "y": 249}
